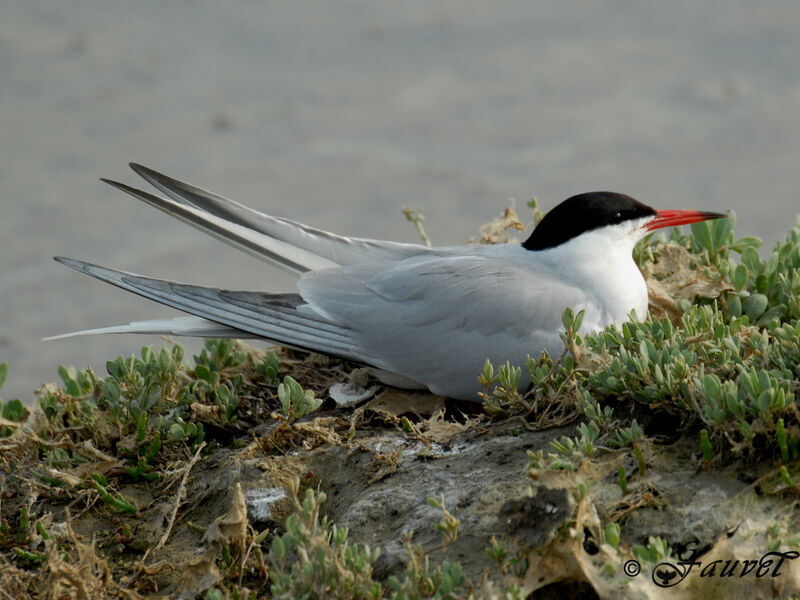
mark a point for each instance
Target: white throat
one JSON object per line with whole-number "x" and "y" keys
{"x": 601, "y": 263}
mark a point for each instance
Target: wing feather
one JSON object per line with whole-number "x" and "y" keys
{"x": 287, "y": 256}
{"x": 277, "y": 317}
{"x": 189, "y": 326}
{"x": 327, "y": 246}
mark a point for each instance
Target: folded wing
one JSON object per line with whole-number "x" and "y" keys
{"x": 473, "y": 303}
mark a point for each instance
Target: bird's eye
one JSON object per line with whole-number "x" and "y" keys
{"x": 618, "y": 215}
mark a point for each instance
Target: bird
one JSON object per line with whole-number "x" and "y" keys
{"x": 416, "y": 316}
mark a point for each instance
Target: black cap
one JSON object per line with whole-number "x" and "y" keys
{"x": 582, "y": 213}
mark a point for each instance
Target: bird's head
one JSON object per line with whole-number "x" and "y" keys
{"x": 619, "y": 215}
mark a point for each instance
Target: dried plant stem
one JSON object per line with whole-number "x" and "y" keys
{"x": 416, "y": 218}
{"x": 178, "y": 499}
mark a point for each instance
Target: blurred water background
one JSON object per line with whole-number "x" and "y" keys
{"x": 340, "y": 113}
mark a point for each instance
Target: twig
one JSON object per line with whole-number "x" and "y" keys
{"x": 178, "y": 498}
{"x": 5, "y": 594}
{"x": 416, "y": 218}
{"x": 255, "y": 540}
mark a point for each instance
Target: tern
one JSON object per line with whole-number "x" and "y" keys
{"x": 420, "y": 317}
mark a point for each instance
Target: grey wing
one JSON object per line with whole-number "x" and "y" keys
{"x": 282, "y": 318}
{"x": 437, "y": 319}
{"x": 292, "y": 246}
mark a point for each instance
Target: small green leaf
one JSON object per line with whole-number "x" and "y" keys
{"x": 746, "y": 242}
{"x": 576, "y": 324}
{"x": 735, "y": 307}
{"x": 567, "y": 318}
{"x": 701, "y": 232}
{"x": 203, "y": 373}
{"x": 705, "y": 446}
{"x": 776, "y": 312}
{"x": 611, "y": 534}
{"x": 111, "y": 391}
{"x": 487, "y": 376}
{"x": 741, "y": 275}
{"x": 72, "y": 388}
{"x": 781, "y": 433}
{"x": 176, "y": 433}
{"x": 712, "y": 386}
{"x": 177, "y": 354}
{"x": 755, "y": 305}
{"x": 141, "y": 427}
{"x": 66, "y": 373}
{"x": 751, "y": 260}
{"x": 13, "y": 410}
{"x": 223, "y": 394}
{"x": 722, "y": 230}
{"x": 99, "y": 478}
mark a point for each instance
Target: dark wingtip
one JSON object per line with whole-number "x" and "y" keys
{"x": 120, "y": 186}
{"x": 149, "y": 174}
{"x": 72, "y": 263}
{"x": 139, "y": 168}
